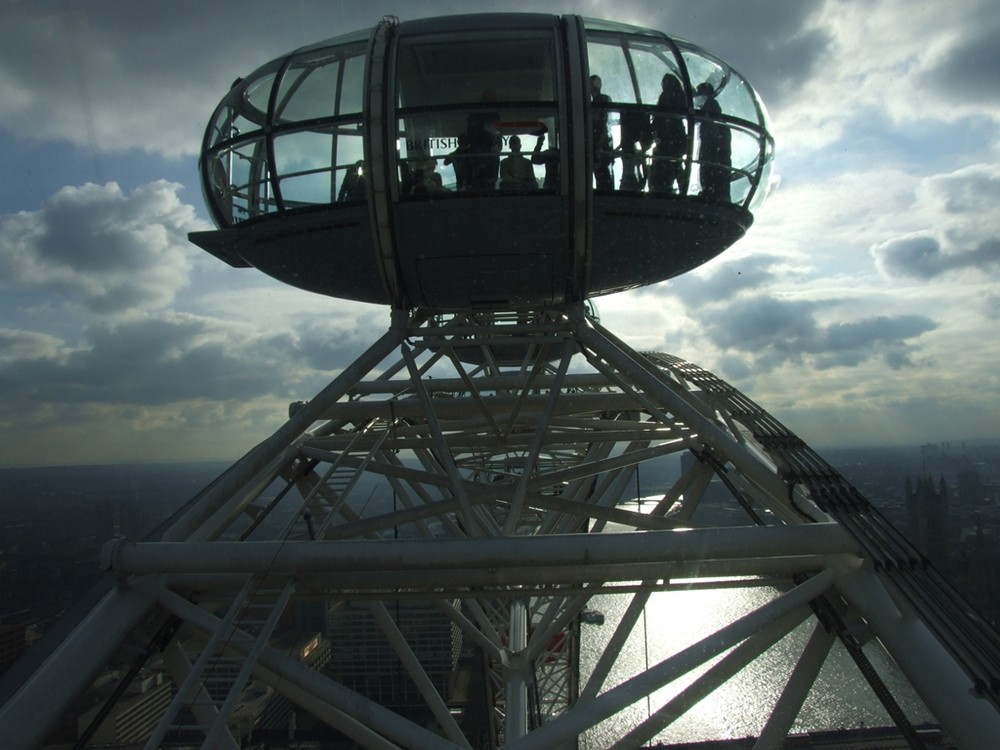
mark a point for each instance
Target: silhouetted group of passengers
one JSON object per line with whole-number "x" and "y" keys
{"x": 666, "y": 131}
{"x": 478, "y": 171}
{"x": 478, "y": 166}
{"x": 477, "y": 161}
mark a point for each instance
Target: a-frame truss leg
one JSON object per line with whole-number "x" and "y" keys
{"x": 445, "y": 512}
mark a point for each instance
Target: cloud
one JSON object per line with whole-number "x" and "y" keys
{"x": 149, "y": 361}
{"x": 896, "y": 66}
{"x": 726, "y": 280}
{"x": 112, "y": 76}
{"x": 778, "y": 46}
{"x": 173, "y": 358}
{"x": 16, "y": 345}
{"x": 971, "y": 192}
{"x": 762, "y": 323}
{"x": 991, "y": 306}
{"x": 921, "y": 257}
{"x": 967, "y": 70}
{"x": 962, "y": 207}
{"x": 771, "y": 332}
{"x": 107, "y": 251}
{"x": 96, "y": 74}
{"x": 895, "y": 91}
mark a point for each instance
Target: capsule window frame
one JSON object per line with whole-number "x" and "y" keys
{"x": 555, "y": 109}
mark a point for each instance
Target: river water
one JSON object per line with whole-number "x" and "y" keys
{"x": 840, "y": 697}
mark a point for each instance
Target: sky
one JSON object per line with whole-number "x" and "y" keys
{"x": 860, "y": 308}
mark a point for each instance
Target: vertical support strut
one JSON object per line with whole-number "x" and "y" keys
{"x": 516, "y": 670}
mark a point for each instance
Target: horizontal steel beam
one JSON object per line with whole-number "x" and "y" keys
{"x": 528, "y": 580}
{"x": 477, "y": 442}
{"x": 402, "y": 555}
{"x": 499, "y": 406}
{"x": 483, "y": 384}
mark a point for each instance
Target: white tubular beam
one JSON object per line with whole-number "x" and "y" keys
{"x": 483, "y": 384}
{"x": 486, "y": 626}
{"x": 939, "y": 680}
{"x": 444, "y": 456}
{"x": 402, "y": 555}
{"x": 301, "y": 695}
{"x": 219, "y": 728}
{"x": 779, "y": 723}
{"x": 501, "y": 408}
{"x": 618, "y": 640}
{"x": 284, "y": 673}
{"x": 187, "y": 679}
{"x": 516, "y": 674}
{"x": 713, "y": 679}
{"x": 459, "y": 584}
{"x": 36, "y": 709}
{"x": 470, "y": 630}
{"x": 517, "y": 500}
{"x": 190, "y": 693}
{"x": 416, "y": 671}
{"x": 653, "y": 384}
{"x": 230, "y": 483}
{"x": 588, "y": 713}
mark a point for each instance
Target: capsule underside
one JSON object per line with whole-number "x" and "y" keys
{"x": 468, "y": 162}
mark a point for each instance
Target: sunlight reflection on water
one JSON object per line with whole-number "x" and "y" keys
{"x": 840, "y": 698}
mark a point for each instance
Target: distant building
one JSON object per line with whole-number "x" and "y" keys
{"x": 927, "y": 519}
{"x": 13, "y": 636}
{"x": 311, "y": 649}
{"x": 363, "y": 659}
{"x": 134, "y": 716}
{"x": 971, "y": 490}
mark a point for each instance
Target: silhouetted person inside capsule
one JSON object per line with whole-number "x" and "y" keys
{"x": 424, "y": 179}
{"x": 459, "y": 159}
{"x": 516, "y": 173}
{"x": 601, "y": 135}
{"x": 715, "y": 148}
{"x": 668, "y": 173}
{"x": 635, "y": 139}
{"x": 548, "y": 158}
{"x": 355, "y": 184}
{"x": 484, "y": 145}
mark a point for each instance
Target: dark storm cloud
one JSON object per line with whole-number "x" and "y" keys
{"x": 170, "y": 359}
{"x": 969, "y": 70}
{"x": 762, "y": 323}
{"x": 110, "y": 74}
{"x": 107, "y": 251}
{"x": 147, "y": 362}
{"x": 969, "y": 237}
{"x": 326, "y": 346}
{"x": 991, "y": 306}
{"x": 972, "y": 191}
{"x": 775, "y": 45}
{"x": 773, "y": 332}
{"x": 725, "y": 281}
{"x": 921, "y": 257}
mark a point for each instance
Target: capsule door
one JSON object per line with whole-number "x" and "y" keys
{"x": 480, "y": 206}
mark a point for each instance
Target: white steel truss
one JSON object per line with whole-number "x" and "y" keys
{"x": 462, "y": 482}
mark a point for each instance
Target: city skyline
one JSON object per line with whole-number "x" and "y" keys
{"x": 859, "y": 308}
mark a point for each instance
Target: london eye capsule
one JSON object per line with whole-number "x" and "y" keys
{"x": 494, "y": 161}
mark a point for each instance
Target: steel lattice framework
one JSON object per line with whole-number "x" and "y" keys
{"x": 473, "y": 465}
